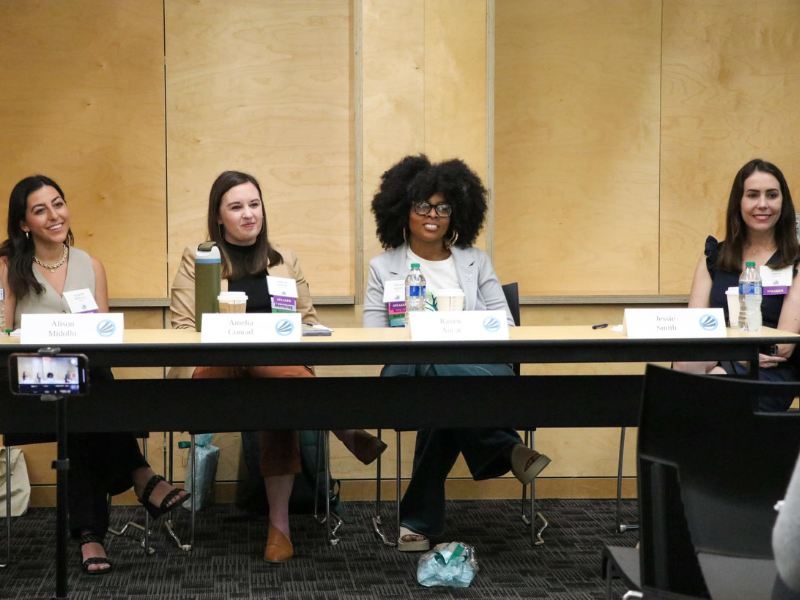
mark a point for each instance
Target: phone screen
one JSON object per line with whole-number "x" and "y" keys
{"x": 39, "y": 375}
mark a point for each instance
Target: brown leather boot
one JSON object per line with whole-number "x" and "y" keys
{"x": 279, "y": 548}
{"x": 366, "y": 447}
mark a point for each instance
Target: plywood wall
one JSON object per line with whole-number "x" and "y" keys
{"x": 731, "y": 82}
{"x": 424, "y": 89}
{"x": 455, "y": 81}
{"x": 394, "y": 93}
{"x": 577, "y": 145}
{"x": 264, "y": 87}
{"x": 82, "y": 101}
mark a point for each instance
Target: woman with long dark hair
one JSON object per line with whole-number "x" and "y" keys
{"x": 237, "y": 222}
{"x": 431, "y": 214}
{"x": 759, "y": 227}
{"x": 38, "y": 263}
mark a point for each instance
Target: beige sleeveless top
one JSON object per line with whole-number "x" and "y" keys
{"x": 80, "y": 276}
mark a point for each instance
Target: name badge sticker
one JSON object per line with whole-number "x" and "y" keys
{"x": 430, "y": 326}
{"x": 642, "y": 323}
{"x": 80, "y": 301}
{"x": 251, "y": 328}
{"x": 87, "y": 328}
{"x": 283, "y": 304}
{"x": 282, "y": 286}
{"x": 776, "y": 281}
{"x": 394, "y": 291}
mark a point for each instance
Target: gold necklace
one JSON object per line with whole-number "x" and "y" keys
{"x": 754, "y": 250}
{"x": 55, "y": 266}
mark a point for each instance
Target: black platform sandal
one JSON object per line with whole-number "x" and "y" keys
{"x": 165, "y": 506}
{"x": 91, "y": 538}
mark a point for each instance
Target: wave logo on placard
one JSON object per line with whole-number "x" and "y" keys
{"x": 491, "y": 324}
{"x": 709, "y": 322}
{"x": 106, "y": 328}
{"x": 284, "y": 327}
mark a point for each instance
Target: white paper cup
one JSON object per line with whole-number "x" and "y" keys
{"x": 232, "y": 302}
{"x": 450, "y": 300}
{"x": 733, "y": 306}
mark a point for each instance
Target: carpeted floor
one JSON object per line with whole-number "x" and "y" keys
{"x": 227, "y": 559}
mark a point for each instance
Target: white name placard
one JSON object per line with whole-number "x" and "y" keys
{"x": 430, "y": 326}
{"x": 251, "y": 328}
{"x": 674, "y": 322}
{"x": 87, "y": 328}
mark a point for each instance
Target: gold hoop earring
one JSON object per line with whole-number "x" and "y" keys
{"x": 453, "y": 239}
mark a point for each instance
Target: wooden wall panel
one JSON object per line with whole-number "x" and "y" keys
{"x": 264, "y": 87}
{"x": 82, "y": 101}
{"x": 731, "y": 81}
{"x": 424, "y": 88}
{"x": 455, "y": 81}
{"x": 394, "y": 94}
{"x": 576, "y": 145}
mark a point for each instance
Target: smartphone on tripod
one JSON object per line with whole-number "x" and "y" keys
{"x": 38, "y": 375}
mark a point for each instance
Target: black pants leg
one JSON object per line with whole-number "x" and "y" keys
{"x": 485, "y": 450}
{"x": 100, "y": 465}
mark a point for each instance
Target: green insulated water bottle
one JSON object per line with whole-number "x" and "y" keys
{"x": 206, "y": 281}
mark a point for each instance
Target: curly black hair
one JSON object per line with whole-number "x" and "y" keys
{"x": 416, "y": 179}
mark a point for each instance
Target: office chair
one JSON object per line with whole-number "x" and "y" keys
{"x": 330, "y": 519}
{"x": 711, "y": 469}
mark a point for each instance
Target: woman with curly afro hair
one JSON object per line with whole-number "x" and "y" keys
{"x": 431, "y": 214}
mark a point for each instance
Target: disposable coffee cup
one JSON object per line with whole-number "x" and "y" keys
{"x": 450, "y": 300}
{"x": 232, "y": 302}
{"x": 733, "y": 306}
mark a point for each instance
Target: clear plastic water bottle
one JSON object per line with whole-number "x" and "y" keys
{"x": 415, "y": 291}
{"x": 2, "y": 309}
{"x": 750, "y": 298}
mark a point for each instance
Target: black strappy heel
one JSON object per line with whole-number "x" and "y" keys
{"x": 91, "y": 538}
{"x": 165, "y": 506}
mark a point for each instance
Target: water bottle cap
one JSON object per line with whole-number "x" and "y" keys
{"x": 415, "y": 265}
{"x": 750, "y": 263}
{"x": 207, "y": 252}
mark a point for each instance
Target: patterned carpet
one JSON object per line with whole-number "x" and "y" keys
{"x": 227, "y": 559}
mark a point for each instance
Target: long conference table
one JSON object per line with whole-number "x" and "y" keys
{"x": 368, "y": 402}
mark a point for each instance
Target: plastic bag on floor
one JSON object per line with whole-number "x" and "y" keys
{"x": 207, "y": 457}
{"x": 448, "y": 565}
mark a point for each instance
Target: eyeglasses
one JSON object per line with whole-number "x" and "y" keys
{"x": 423, "y": 208}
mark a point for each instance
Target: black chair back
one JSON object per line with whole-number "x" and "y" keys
{"x": 710, "y": 472}
{"x": 511, "y": 291}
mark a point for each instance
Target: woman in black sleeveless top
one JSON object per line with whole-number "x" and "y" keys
{"x": 760, "y": 227}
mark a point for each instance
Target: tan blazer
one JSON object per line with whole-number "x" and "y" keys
{"x": 182, "y": 302}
